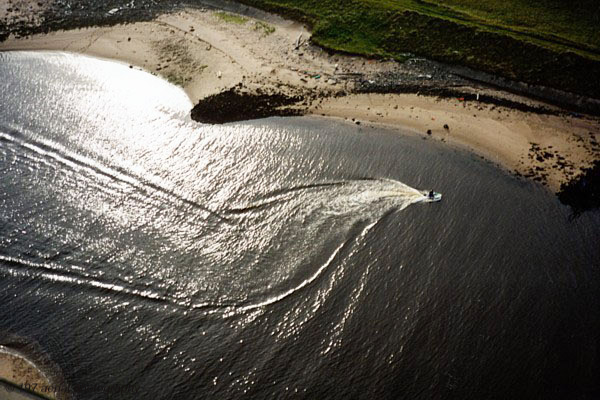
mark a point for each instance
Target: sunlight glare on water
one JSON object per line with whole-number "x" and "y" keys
{"x": 253, "y": 259}
{"x": 158, "y": 173}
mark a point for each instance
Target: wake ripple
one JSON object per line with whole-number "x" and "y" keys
{"x": 76, "y": 162}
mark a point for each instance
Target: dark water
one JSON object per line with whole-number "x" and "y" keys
{"x": 151, "y": 257}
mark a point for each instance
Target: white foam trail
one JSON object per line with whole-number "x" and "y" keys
{"x": 341, "y": 203}
{"x": 308, "y": 281}
{"x": 50, "y": 150}
{"x": 54, "y": 273}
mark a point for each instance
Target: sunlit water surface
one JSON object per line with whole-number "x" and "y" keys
{"x": 275, "y": 258}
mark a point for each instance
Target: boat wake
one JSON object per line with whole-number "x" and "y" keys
{"x": 268, "y": 250}
{"x": 132, "y": 198}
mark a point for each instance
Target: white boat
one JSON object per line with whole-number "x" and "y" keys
{"x": 432, "y": 198}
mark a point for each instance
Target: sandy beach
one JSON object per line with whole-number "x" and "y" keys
{"x": 18, "y": 370}
{"x": 207, "y": 51}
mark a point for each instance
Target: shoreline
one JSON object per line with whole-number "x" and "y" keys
{"x": 210, "y": 53}
{"x": 18, "y": 370}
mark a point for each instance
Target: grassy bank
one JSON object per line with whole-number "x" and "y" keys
{"x": 548, "y": 42}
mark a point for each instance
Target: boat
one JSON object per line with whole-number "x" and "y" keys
{"x": 431, "y": 199}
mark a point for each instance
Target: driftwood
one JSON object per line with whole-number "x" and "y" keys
{"x": 299, "y": 42}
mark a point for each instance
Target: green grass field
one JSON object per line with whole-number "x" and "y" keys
{"x": 548, "y": 42}
{"x": 231, "y": 18}
{"x": 575, "y": 24}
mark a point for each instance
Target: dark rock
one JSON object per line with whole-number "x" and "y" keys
{"x": 234, "y": 105}
{"x": 583, "y": 193}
